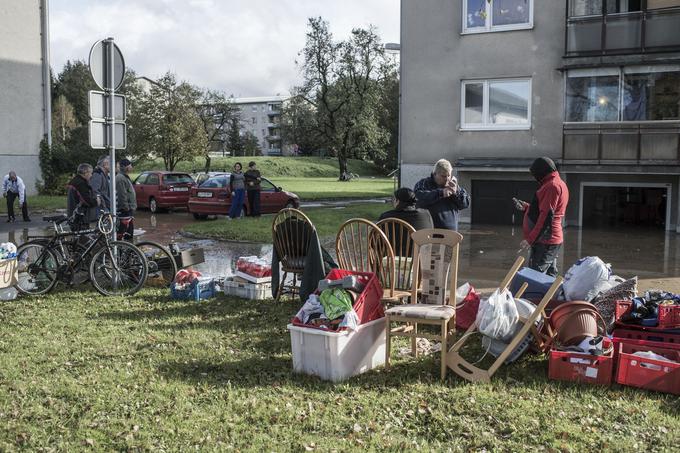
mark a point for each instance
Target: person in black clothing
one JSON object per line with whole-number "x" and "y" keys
{"x": 405, "y": 209}
{"x": 81, "y": 198}
{"x": 253, "y": 187}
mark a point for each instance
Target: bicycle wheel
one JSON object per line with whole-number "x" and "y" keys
{"x": 118, "y": 270}
{"x": 36, "y": 268}
{"x": 162, "y": 265}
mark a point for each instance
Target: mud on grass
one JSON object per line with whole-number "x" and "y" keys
{"x": 78, "y": 370}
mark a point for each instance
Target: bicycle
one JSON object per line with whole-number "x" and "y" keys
{"x": 116, "y": 268}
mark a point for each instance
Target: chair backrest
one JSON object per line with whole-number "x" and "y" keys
{"x": 361, "y": 246}
{"x": 399, "y": 234}
{"x": 436, "y": 265}
{"x": 291, "y": 232}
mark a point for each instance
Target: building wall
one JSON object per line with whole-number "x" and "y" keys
{"x": 436, "y": 57}
{"x": 22, "y": 122}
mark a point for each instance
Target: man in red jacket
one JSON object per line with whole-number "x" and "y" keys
{"x": 543, "y": 216}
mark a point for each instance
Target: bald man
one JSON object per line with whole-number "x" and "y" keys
{"x": 12, "y": 188}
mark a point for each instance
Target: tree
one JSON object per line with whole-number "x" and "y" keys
{"x": 234, "y": 139}
{"x": 389, "y": 121}
{"x": 298, "y": 125}
{"x": 168, "y": 123}
{"x": 342, "y": 84}
{"x": 73, "y": 83}
{"x": 251, "y": 146}
{"x": 216, "y": 113}
{"x": 63, "y": 119}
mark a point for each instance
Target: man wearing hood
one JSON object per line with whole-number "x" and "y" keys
{"x": 81, "y": 201}
{"x": 440, "y": 194}
{"x": 405, "y": 209}
{"x": 543, "y": 217}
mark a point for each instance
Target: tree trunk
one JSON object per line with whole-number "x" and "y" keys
{"x": 342, "y": 164}
{"x": 207, "y": 163}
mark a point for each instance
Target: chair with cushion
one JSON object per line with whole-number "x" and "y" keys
{"x": 399, "y": 234}
{"x": 291, "y": 233}
{"x": 436, "y": 267}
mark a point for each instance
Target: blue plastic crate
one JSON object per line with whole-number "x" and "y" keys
{"x": 539, "y": 283}
{"x": 198, "y": 290}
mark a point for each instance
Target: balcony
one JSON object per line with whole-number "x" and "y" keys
{"x": 628, "y": 143}
{"x": 645, "y": 31}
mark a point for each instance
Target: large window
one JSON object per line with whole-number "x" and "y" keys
{"x": 639, "y": 93}
{"x": 483, "y": 16}
{"x": 498, "y": 104}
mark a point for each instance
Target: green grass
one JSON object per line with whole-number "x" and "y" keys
{"x": 37, "y": 203}
{"x": 79, "y": 371}
{"x": 326, "y": 220}
{"x": 331, "y": 188}
{"x": 275, "y": 166}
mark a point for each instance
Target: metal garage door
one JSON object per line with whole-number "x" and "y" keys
{"x": 492, "y": 201}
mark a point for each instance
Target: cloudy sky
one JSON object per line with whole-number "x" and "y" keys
{"x": 241, "y": 47}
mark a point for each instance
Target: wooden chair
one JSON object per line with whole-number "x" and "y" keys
{"x": 468, "y": 371}
{"x": 291, "y": 232}
{"x": 436, "y": 265}
{"x": 399, "y": 234}
{"x": 361, "y": 246}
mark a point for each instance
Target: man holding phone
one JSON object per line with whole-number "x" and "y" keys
{"x": 440, "y": 194}
{"x": 542, "y": 224}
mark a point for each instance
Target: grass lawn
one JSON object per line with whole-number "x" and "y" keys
{"x": 275, "y": 166}
{"x": 327, "y": 222}
{"x": 37, "y": 203}
{"x": 79, "y": 371}
{"x": 330, "y": 188}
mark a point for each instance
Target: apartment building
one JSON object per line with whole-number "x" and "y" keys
{"x": 24, "y": 87}
{"x": 262, "y": 117}
{"x": 593, "y": 84}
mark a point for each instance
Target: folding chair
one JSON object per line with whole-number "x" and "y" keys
{"x": 468, "y": 371}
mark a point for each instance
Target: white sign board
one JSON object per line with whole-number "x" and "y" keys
{"x": 99, "y": 135}
{"x": 99, "y": 106}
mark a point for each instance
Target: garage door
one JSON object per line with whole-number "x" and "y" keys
{"x": 606, "y": 207}
{"x": 492, "y": 201}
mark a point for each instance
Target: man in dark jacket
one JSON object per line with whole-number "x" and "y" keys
{"x": 543, "y": 217}
{"x": 100, "y": 182}
{"x": 253, "y": 187}
{"x": 126, "y": 199}
{"x": 81, "y": 199}
{"x": 440, "y": 194}
{"x": 405, "y": 209}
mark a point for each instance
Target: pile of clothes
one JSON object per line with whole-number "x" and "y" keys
{"x": 331, "y": 308}
{"x": 645, "y": 309}
{"x": 8, "y": 251}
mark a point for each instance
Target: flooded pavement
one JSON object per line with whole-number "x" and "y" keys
{"x": 487, "y": 252}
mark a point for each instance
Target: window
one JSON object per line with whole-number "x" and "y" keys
{"x": 267, "y": 186}
{"x": 496, "y": 104}
{"x": 152, "y": 180}
{"x": 481, "y": 16}
{"x": 141, "y": 178}
{"x": 637, "y": 93}
{"x": 177, "y": 178}
{"x": 214, "y": 183}
{"x": 255, "y": 108}
{"x": 254, "y": 120}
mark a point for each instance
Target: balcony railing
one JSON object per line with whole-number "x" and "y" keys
{"x": 646, "y": 31}
{"x": 646, "y": 142}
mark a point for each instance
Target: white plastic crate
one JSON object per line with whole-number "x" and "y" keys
{"x": 245, "y": 290}
{"x": 336, "y": 356}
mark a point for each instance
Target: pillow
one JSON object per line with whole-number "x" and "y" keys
{"x": 605, "y": 302}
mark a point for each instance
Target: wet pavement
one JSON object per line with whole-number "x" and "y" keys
{"x": 486, "y": 252}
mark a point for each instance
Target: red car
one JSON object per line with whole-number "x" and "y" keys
{"x": 213, "y": 197}
{"x": 163, "y": 189}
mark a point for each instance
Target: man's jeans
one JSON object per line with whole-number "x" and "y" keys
{"x": 544, "y": 258}
{"x": 11, "y": 196}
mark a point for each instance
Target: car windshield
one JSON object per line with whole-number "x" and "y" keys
{"x": 178, "y": 178}
{"x": 214, "y": 183}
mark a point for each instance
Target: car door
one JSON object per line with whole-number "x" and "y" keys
{"x": 269, "y": 199}
{"x": 151, "y": 187}
{"x": 139, "y": 189}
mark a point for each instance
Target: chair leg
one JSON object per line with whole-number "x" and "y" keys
{"x": 281, "y": 286}
{"x": 414, "y": 341}
{"x": 444, "y": 351}
{"x": 295, "y": 289}
{"x": 387, "y": 343}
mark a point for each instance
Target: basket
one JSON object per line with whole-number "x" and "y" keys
{"x": 645, "y": 373}
{"x": 621, "y": 335}
{"x": 669, "y": 315}
{"x": 367, "y": 306}
{"x": 8, "y": 273}
{"x": 199, "y": 289}
{"x": 247, "y": 290}
{"x": 579, "y": 367}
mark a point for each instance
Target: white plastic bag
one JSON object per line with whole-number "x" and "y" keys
{"x": 585, "y": 279}
{"x": 497, "y": 316}
{"x": 461, "y": 292}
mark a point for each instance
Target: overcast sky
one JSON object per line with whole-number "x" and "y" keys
{"x": 241, "y": 47}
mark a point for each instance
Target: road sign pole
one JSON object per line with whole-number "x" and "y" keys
{"x": 111, "y": 121}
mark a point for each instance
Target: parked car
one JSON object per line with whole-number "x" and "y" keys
{"x": 163, "y": 189}
{"x": 213, "y": 197}
{"x": 202, "y": 176}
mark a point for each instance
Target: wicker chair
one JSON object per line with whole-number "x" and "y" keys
{"x": 291, "y": 232}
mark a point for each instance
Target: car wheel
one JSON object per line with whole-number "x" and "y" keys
{"x": 290, "y": 204}
{"x": 200, "y": 216}
{"x": 153, "y": 206}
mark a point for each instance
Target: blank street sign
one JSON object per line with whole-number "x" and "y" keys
{"x": 99, "y": 135}
{"x": 98, "y": 106}
{"x": 99, "y": 66}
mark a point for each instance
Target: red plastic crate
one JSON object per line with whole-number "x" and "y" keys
{"x": 669, "y": 315}
{"x": 368, "y": 305}
{"x": 621, "y": 335}
{"x": 646, "y": 373}
{"x": 578, "y": 367}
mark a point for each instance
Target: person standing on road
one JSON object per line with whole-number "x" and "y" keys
{"x": 12, "y": 188}
{"x": 542, "y": 224}
{"x": 253, "y": 183}
{"x": 126, "y": 199}
{"x": 440, "y": 194}
{"x": 100, "y": 181}
{"x": 237, "y": 185}
{"x": 81, "y": 201}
